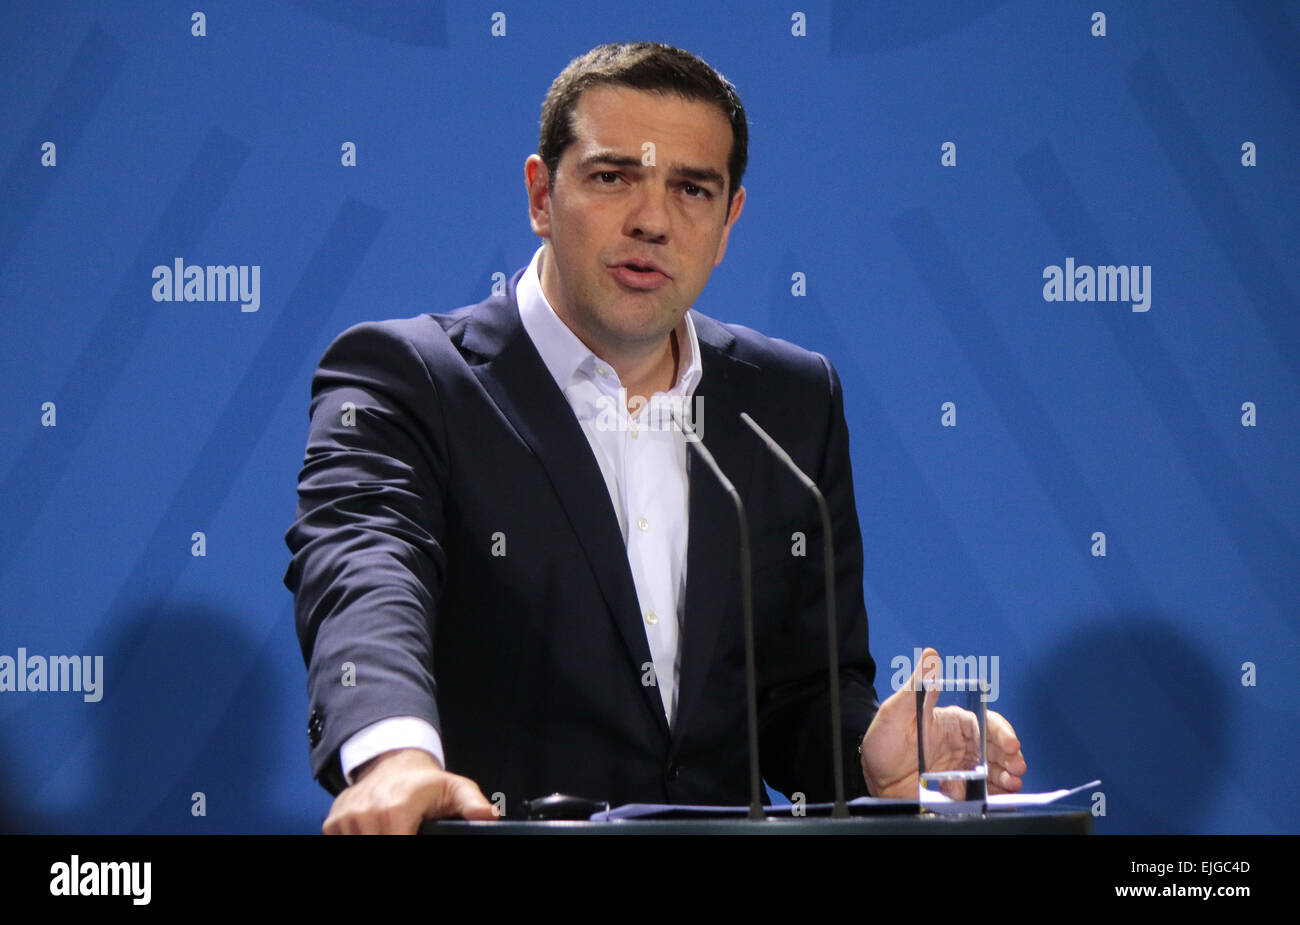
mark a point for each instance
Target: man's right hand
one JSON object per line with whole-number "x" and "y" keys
{"x": 394, "y": 792}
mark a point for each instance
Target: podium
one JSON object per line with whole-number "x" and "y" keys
{"x": 1010, "y": 822}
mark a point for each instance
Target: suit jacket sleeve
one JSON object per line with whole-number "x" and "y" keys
{"x": 367, "y": 563}
{"x": 795, "y": 712}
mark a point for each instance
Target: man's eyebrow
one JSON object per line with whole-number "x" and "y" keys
{"x": 698, "y": 174}
{"x": 614, "y": 159}
{"x": 611, "y": 158}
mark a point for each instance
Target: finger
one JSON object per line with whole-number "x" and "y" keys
{"x": 929, "y": 669}
{"x": 1004, "y": 746}
{"x": 357, "y": 812}
{"x": 1003, "y": 781}
{"x": 1006, "y": 774}
{"x": 970, "y": 729}
{"x": 339, "y": 821}
{"x": 956, "y": 738}
{"x": 349, "y": 823}
{"x": 1014, "y": 764}
{"x": 904, "y": 697}
{"x": 468, "y": 801}
{"x": 367, "y": 822}
{"x": 953, "y": 789}
{"x": 1001, "y": 733}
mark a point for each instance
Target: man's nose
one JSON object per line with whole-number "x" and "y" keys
{"x": 649, "y": 215}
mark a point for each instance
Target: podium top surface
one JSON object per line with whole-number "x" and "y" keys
{"x": 1020, "y": 822}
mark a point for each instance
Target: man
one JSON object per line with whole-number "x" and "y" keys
{"x": 505, "y": 564}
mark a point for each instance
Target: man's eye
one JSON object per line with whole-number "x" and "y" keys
{"x": 696, "y": 192}
{"x": 607, "y": 177}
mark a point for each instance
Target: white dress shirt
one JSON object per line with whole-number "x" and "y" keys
{"x": 642, "y": 457}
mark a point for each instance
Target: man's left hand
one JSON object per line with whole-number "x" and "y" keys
{"x": 889, "y": 747}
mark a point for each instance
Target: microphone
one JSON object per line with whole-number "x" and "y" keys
{"x": 841, "y": 810}
{"x": 747, "y": 608}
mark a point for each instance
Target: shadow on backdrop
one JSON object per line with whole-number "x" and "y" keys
{"x": 1130, "y": 701}
{"x": 193, "y": 704}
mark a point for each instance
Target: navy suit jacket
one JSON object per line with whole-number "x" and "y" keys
{"x": 456, "y": 557}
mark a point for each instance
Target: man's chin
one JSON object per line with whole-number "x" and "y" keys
{"x": 641, "y": 336}
{"x": 637, "y": 324}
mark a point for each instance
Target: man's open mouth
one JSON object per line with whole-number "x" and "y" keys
{"x": 642, "y": 266}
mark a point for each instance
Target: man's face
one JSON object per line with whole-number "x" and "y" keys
{"x": 636, "y": 216}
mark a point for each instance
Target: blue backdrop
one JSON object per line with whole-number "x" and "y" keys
{"x": 923, "y": 165}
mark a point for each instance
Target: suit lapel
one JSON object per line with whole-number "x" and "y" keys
{"x": 522, "y": 387}
{"x": 713, "y": 544}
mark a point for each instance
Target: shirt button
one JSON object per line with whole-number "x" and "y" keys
{"x": 602, "y": 370}
{"x": 635, "y": 433}
{"x": 651, "y": 617}
{"x": 642, "y": 523}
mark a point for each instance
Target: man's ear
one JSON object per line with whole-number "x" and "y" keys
{"x": 537, "y": 181}
{"x": 733, "y": 213}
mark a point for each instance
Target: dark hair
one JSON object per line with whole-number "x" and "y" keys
{"x": 649, "y": 66}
